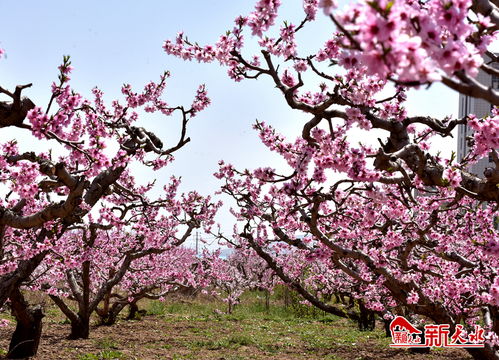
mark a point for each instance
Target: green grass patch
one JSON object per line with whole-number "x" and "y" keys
{"x": 156, "y": 308}
{"x": 107, "y": 344}
{"x": 103, "y": 355}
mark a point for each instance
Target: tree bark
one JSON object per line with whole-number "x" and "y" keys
{"x": 133, "y": 311}
{"x": 80, "y": 328}
{"x": 26, "y": 337}
{"x": 483, "y": 354}
{"x": 386, "y": 324}
{"x": 109, "y": 319}
{"x": 110, "y": 316}
{"x": 367, "y": 320}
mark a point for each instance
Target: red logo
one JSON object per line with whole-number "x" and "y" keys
{"x": 404, "y": 334}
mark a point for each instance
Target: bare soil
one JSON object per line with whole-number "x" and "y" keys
{"x": 175, "y": 337}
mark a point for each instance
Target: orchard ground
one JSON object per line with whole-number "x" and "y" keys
{"x": 187, "y": 328}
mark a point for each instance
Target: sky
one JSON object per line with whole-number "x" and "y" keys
{"x": 114, "y": 42}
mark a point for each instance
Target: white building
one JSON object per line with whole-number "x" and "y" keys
{"x": 481, "y": 108}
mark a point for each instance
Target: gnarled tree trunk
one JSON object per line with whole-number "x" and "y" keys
{"x": 483, "y": 354}
{"x": 80, "y": 322}
{"x": 26, "y": 338}
{"x": 133, "y": 311}
{"x": 80, "y": 327}
{"x": 366, "y": 320}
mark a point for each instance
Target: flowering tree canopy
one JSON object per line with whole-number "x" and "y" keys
{"x": 229, "y": 278}
{"x": 50, "y": 198}
{"x": 131, "y": 256}
{"x": 378, "y": 46}
{"x": 406, "y": 226}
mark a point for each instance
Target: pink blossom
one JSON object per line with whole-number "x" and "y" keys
{"x": 327, "y": 6}
{"x": 288, "y": 79}
{"x": 412, "y": 297}
{"x": 300, "y": 66}
{"x": 310, "y": 8}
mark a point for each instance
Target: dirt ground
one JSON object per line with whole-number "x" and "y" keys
{"x": 171, "y": 337}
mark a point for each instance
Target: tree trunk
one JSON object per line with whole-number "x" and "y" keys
{"x": 133, "y": 311}
{"x": 336, "y": 298}
{"x": 484, "y": 354}
{"x": 267, "y": 300}
{"x": 80, "y": 322}
{"x": 106, "y": 318}
{"x": 109, "y": 320}
{"x": 342, "y": 299}
{"x": 26, "y": 337}
{"x": 386, "y": 323}
{"x": 351, "y": 302}
{"x": 80, "y": 328}
{"x": 367, "y": 320}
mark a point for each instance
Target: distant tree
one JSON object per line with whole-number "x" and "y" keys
{"x": 119, "y": 260}
{"x": 228, "y": 278}
{"x": 155, "y": 278}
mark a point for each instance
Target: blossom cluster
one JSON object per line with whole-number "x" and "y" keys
{"x": 411, "y": 41}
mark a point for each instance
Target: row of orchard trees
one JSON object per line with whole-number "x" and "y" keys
{"x": 402, "y": 227}
{"x": 76, "y": 225}
{"x": 73, "y": 221}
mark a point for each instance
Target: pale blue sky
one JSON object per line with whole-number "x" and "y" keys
{"x": 112, "y": 42}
